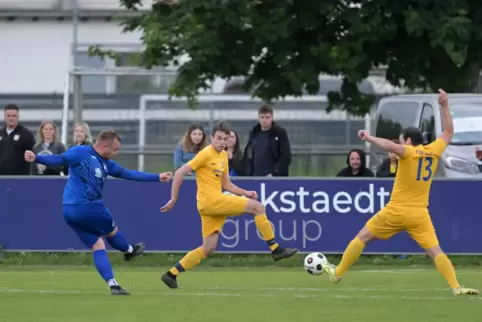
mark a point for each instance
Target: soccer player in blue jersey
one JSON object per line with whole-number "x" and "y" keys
{"x": 83, "y": 206}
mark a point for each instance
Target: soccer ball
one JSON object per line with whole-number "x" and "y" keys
{"x": 314, "y": 263}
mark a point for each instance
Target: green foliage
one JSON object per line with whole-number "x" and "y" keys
{"x": 281, "y": 47}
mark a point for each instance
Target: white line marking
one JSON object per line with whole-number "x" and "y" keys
{"x": 334, "y": 289}
{"x": 401, "y": 271}
{"x": 411, "y": 271}
{"x": 246, "y": 295}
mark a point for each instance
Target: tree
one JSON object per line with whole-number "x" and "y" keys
{"x": 282, "y": 46}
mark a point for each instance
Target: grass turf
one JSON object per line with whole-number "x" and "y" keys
{"x": 263, "y": 294}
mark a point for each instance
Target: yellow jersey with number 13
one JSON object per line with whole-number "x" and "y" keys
{"x": 416, "y": 170}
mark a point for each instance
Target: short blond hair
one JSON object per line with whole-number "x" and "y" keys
{"x": 109, "y": 135}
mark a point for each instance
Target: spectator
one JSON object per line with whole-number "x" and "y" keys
{"x": 47, "y": 143}
{"x": 14, "y": 141}
{"x": 234, "y": 155}
{"x": 268, "y": 151}
{"x": 356, "y": 165}
{"x": 82, "y": 135}
{"x": 389, "y": 166}
{"x": 193, "y": 141}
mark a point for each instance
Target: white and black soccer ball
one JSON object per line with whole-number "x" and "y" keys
{"x": 314, "y": 263}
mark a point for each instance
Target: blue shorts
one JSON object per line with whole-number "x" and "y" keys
{"x": 89, "y": 221}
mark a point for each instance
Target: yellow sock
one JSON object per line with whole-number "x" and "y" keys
{"x": 445, "y": 267}
{"x": 351, "y": 254}
{"x": 264, "y": 227}
{"x": 192, "y": 259}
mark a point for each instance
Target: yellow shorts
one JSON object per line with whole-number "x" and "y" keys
{"x": 415, "y": 221}
{"x": 214, "y": 213}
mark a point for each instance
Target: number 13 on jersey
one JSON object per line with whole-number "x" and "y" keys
{"x": 424, "y": 169}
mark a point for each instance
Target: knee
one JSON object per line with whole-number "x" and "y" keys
{"x": 258, "y": 209}
{"x": 209, "y": 249}
{"x": 210, "y": 244}
{"x": 112, "y": 233}
{"x": 434, "y": 251}
{"x": 99, "y": 245}
{"x": 365, "y": 235}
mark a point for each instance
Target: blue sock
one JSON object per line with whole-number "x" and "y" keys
{"x": 119, "y": 242}
{"x": 103, "y": 265}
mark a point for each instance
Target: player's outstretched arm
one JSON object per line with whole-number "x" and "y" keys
{"x": 52, "y": 160}
{"x": 115, "y": 170}
{"x": 447, "y": 122}
{"x": 178, "y": 178}
{"x": 385, "y": 144}
{"x": 198, "y": 161}
{"x": 176, "y": 186}
{"x": 69, "y": 157}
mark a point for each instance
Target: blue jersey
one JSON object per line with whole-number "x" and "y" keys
{"x": 88, "y": 172}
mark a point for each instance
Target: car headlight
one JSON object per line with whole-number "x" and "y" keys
{"x": 461, "y": 165}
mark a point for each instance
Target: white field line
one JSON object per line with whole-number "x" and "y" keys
{"x": 414, "y": 270}
{"x": 244, "y": 295}
{"x": 334, "y": 289}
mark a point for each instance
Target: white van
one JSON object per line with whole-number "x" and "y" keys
{"x": 462, "y": 158}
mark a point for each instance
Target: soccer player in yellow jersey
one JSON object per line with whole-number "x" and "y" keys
{"x": 212, "y": 175}
{"x": 407, "y": 208}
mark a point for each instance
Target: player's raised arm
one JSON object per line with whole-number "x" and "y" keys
{"x": 447, "y": 122}
{"x": 385, "y": 144}
{"x": 69, "y": 157}
{"x": 115, "y": 170}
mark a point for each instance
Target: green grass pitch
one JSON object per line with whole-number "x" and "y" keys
{"x": 264, "y": 294}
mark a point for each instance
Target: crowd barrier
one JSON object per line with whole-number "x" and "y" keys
{"x": 309, "y": 214}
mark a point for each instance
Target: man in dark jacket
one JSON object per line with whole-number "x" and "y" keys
{"x": 14, "y": 141}
{"x": 356, "y": 165}
{"x": 268, "y": 151}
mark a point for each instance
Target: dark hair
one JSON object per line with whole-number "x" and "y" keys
{"x": 188, "y": 145}
{"x": 265, "y": 109}
{"x": 236, "y": 148}
{"x": 414, "y": 134}
{"x": 221, "y": 126}
{"x": 108, "y": 135}
{"x": 11, "y": 107}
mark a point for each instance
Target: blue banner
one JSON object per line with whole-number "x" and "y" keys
{"x": 311, "y": 215}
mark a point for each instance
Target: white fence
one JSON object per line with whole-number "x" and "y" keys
{"x": 211, "y": 107}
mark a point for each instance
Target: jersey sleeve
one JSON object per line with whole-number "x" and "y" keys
{"x": 437, "y": 147}
{"x": 75, "y": 154}
{"x": 70, "y": 157}
{"x": 115, "y": 170}
{"x": 199, "y": 160}
{"x": 409, "y": 151}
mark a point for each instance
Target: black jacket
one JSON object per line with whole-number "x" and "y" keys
{"x": 279, "y": 147}
{"x": 235, "y": 164}
{"x": 383, "y": 170}
{"x": 364, "y": 171}
{"x": 12, "y": 151}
